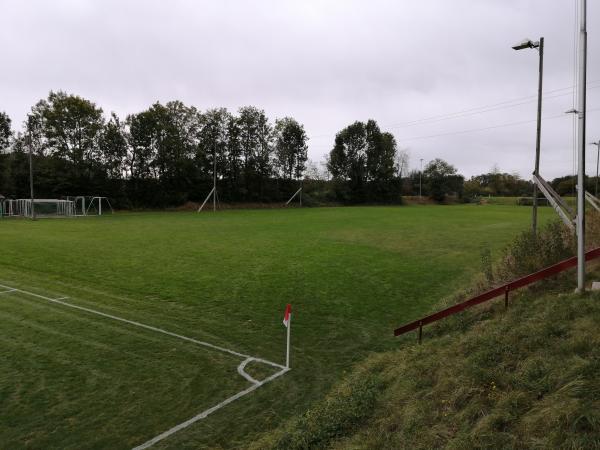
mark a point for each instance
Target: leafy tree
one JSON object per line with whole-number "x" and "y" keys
{"x": 290, "y": 147}
{"x": 141, "y": 154}
{"x": 113, "y": 146}
{"x": 442, "y": 179}
{"x": 248, "y": 124}
{"x": 213, "y": 140}
{"x": 5, "y": 131}
{"x": 67, "y": 126}
{"x": 233, "y": 167}
{"x": 381, "y": 153}
{"x": 162, "y": 140}
{"x": 565, "y": 186}
{"x": 498, "y": 184}
{"x": 363, "y": 157}
{"x": 178, "y": 126}
{"x": 256, "y": 145}
{"x": 159, "y": 156}
{"x": 264, "y": 152}
{"x": 348, "y": 158}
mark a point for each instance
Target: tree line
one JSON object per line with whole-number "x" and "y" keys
{"x": 164, "y": 155}
{"x": 169, "y": 153}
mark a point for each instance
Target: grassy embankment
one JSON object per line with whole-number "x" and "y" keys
{"x": 526, "y": 377}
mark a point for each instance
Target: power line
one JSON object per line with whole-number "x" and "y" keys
{"x": 474, "y": 130}
{"x": 499, "y": 105}
{"x": 480, "y": 109}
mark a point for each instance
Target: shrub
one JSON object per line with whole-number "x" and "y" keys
{"x": 529, "y": 253}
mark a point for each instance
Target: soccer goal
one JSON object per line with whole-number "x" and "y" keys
{"x": 90, "y": 205}
{"x": 95, "y": 205}
{"x": 40, "y": 207}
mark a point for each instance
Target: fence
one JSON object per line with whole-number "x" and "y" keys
{"x": 494, "y": 293}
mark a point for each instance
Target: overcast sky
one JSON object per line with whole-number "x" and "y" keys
{"x": 326, "y": 63}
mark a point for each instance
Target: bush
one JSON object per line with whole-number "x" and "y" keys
{"x": 529, "y": 253}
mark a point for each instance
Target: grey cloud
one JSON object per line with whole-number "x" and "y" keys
{"x": 327, "y": 63}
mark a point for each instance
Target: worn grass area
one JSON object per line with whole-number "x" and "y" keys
{"x": 352, "y": 274}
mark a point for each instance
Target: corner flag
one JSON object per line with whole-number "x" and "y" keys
{"x": 286, "y": 316}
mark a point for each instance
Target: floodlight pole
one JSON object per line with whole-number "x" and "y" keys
{"x": 215, "y": 180}
{"x": 31, "y": 177}
{"x": 420, "y": 175}
{"x": 538, "y": 135}
{"x": 536, "y": 172}
{"x": 581, "y": 112}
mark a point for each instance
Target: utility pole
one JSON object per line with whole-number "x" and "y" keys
{"x": 31, "y": 176}
{"x": 420, "y": 175}
{"x": 215, "y": 179}
{"x": 581, "y": 113}
{"x": 597, "y": 144}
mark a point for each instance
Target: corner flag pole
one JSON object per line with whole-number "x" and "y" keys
{"x": 287, "y": 322}
{"x": 287, "y": 355}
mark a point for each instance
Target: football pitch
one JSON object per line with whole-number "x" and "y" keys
{"x": 164, "y": 330}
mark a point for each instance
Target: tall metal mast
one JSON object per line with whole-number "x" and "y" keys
{"x": 581, "y": 112}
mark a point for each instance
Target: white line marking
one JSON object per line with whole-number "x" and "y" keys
{"x": 247, "y": 359}
{"x": 147, "y": 327}
{"x": 243, "y": 373}
{"x": 8, "y": 292}
{"x": 209, "y": 411}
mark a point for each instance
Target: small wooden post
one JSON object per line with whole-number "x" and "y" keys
{"x": 420, "y": 331}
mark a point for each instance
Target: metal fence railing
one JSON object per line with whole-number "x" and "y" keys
{"x": 494, "y": 293}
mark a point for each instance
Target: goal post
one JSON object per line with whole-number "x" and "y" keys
{"x": 96, "y": 203}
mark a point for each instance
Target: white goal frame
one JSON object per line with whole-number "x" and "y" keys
{"x": 26, "y": 207}
{"x": 98, "y": 201}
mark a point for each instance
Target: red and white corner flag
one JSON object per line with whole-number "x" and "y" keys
{"x": 287, "y": 322}
{"x": 286, "y": 316}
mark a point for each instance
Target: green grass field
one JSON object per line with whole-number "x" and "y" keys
{"x": 72, "y": 379}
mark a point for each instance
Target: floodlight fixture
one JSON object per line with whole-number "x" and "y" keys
{"x": 526, "y": 43}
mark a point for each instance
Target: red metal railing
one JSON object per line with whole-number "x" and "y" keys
{"x": 496, "y": 292}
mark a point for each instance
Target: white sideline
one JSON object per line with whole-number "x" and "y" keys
{"x": 209, "y": 411}
{"x": 142, "y": 325}
{"x": 247, "y": 359}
